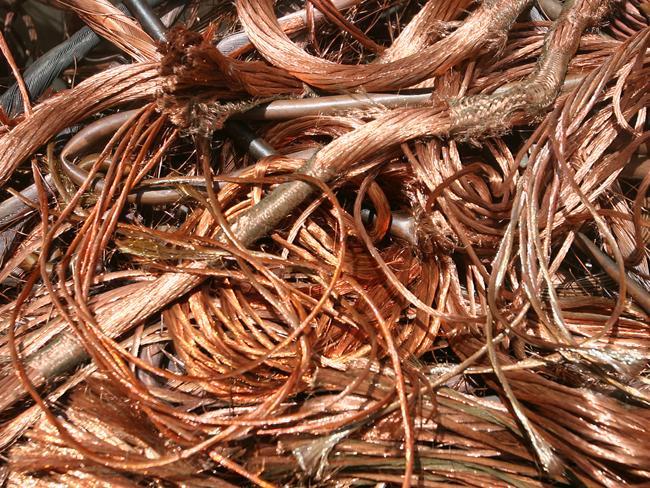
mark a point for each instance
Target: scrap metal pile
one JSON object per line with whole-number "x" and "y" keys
{"x": 333, "y": 243}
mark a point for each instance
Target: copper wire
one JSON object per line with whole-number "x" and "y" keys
{"x": 408, "y": 305}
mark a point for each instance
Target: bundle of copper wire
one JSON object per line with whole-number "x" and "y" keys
{"x": 341, "y": 243}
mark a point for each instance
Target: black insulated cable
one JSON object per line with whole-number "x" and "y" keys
{"x": 248, "y": 140}
{"x": 148, "y": 19}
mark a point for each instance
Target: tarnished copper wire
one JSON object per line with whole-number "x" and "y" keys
{"x": 449, "y": 292}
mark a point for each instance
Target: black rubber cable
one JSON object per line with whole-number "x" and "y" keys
{"x": 248, "y": 140}
{"x": 148, "y": 19}
{"x": 40, "y": 75}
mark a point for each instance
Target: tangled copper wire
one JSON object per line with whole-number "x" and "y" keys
{"x": 448, "y": 291}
